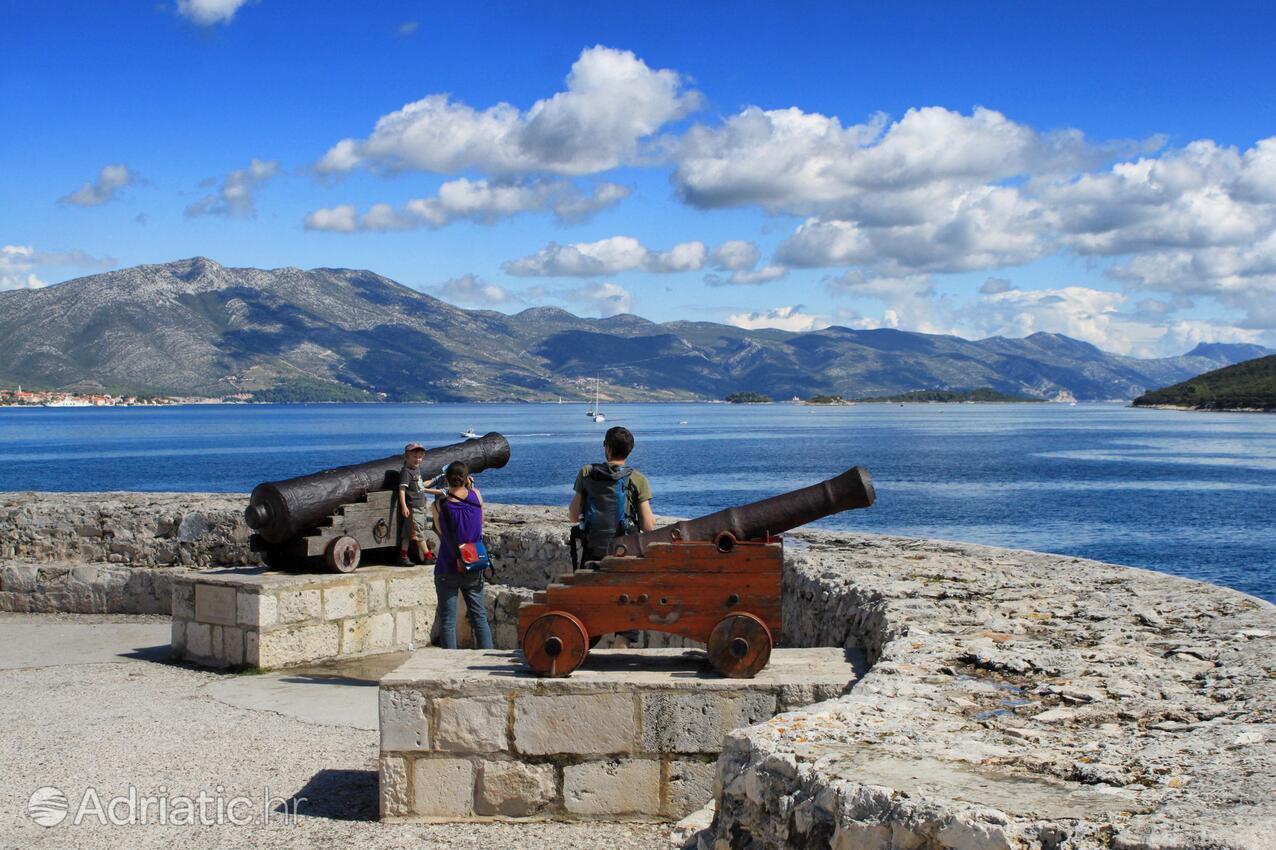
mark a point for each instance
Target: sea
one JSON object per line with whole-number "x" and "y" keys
{"x": 1193, "y": 494}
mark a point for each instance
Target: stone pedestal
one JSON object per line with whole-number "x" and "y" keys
{"x": 469, "y": 735}
{"x": 266, "y": 619}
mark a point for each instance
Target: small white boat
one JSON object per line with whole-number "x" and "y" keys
{"x": 682, "y": 422}
{"x": 470, "y": 434}
{"x": 595, "y": 413}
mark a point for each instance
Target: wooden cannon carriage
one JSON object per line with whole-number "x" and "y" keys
{"x": 325, "y": 521}
{"x": 716, "y": 579}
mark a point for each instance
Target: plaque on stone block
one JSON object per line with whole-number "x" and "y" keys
{"x": 215, "y": 604}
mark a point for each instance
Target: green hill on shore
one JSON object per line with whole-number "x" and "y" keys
{"x": 981, "y": 394}
{"x": 1244, "y": 386}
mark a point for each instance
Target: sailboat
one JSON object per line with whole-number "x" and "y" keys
{"x": 595, "y": 413}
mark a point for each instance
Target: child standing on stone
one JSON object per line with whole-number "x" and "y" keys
{"x": 414, "y": 518}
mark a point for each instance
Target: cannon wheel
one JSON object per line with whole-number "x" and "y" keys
{"x": 342, "y": 555}
{"x": 739, "y": 646}
{"x": 555, "y": 644}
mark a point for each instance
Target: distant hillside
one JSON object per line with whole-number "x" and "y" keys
{"x": 194, "y": 327}
{"x": 1245, "y": 386}
{"x": 982, "y": 394}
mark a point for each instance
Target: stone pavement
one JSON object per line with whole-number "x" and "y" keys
{"x": 92, "y": 711}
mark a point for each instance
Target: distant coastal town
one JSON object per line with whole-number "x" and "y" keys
{"x": 18, "y": 397}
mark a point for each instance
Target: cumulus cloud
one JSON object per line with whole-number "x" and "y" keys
{"x": 1199, "y": 220}
{"x": 235, "y": 195}
{"x": 19, "y": 262}
{"x": 612, "y": 104}
{"x": 110, "y": 180}
{"x": 602, "y": 299}
{"x": 791, "y": 318}
{"x": 980, "y": 227}
{"x": 209, "y": 12}
{"x": 736, "y": 255}
{"x": 1113, "y": 321}
{"x": 470, "y": 289}
{"x": 482, "y": 201}
{"x": 787, "y": 160}
{"x": 740, "y": 257}
{"x": 339, "y": 219}
{"x": 747, "y": 277}
{"x": 607, "y": 256}
{"x": 996, "y": 285}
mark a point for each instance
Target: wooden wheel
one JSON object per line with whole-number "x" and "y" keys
{"x": 342, "y": 555}
{"x": 555, "y": 644}
{"x": 739, "y": 646}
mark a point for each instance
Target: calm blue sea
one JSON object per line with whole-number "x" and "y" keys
{"x": 1189, "y": 493}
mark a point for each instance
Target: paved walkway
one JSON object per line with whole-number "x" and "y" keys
{"x": 91, "y": 703}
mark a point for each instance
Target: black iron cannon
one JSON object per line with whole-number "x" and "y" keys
{"x": 715, "y": 579}
{"x": 765, "y": 518}
{"x": 336, "y": 513}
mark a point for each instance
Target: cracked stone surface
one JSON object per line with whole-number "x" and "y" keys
{"x": 1017, "y": 700}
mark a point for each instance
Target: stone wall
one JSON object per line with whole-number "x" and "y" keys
{"x": 267, "y": 620}
{"x": 469, "y": 734}
{"x": 79, "y": 588}
{"x": 117, "y": 552}
{"x": 136, "y": 529}
{"x": 1019, "y": 700}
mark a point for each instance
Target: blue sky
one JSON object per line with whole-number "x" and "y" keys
{"x": 1102, "y": 170}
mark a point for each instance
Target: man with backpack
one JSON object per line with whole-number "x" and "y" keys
{"x": 612, "y": 499}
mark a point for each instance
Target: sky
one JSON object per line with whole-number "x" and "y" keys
{"x": 1101, "y": 170}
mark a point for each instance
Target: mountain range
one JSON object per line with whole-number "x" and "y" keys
{"x": 194, "y": 327}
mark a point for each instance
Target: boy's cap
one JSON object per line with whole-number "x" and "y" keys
{"x": 412, "y": 447}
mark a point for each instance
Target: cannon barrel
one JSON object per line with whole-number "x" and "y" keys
{"x": 776, "y": 515}
{"x": 280, "y": 510}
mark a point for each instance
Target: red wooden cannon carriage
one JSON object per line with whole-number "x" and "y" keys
{"x": 716, "y": 579}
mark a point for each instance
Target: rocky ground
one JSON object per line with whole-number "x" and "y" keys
{"x": 1018, "y": 700}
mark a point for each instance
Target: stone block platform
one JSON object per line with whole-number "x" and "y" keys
{"x": 632, "y": 734}
{"x": 268, "y": 619}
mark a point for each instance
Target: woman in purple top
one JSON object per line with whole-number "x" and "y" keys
{"x": 462, "y": 524}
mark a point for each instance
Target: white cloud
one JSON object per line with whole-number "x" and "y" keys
{"x": 607, "y": 256}
{"x": 1197, "y": 220}
{"x": 470, "y": 289}
{"x": 747, "y": 277}
{"x": 736, "y": 255}
{"x": 683, "y": 257}
{"x": 408, "y": 28}
{"x": 235, "y": 195}
{"x": 1097, "y": 316}
{"x": 981, "y": 227}
{"x": 791, "y": 161}
{"x": 996, "y": 285}
{"x": 482, "y": 201}
{"x": 784, "y": 318}
{"x": 209, "y": 12}
{"x": 110, "y": 180}
{"x": 602, "y": 299}
{"x": 740, "y": 258}
{"x": 19, "y": 262}
{"x": 613, "y": 102}
{"x": 339, "y": 219}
